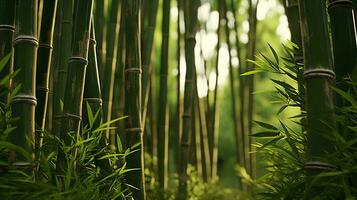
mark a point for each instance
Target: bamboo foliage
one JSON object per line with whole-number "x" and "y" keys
{"x": 25, "y": 54}
{"x": 133, "y": 127}
{"x": 7, "y": 28}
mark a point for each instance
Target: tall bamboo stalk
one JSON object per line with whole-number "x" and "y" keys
{"x": 190, "y": 18}
{"x": 163, "y": 127}
{"x": 110, "y": 60}
{"x": 77, "y": 64}
{"x": 100, "y": 32}
{"x": 343, "y": 40}
{"x": 60, "y": 74}
{"x": 133, "y": 127}
{"x": 7, "y": 28}
{"x": 214, "y": 114}
{"x": 147, "y": 44}
{"x": 236, "y": 124}
{"x": 250, "y": 101}
{"x": 24, "y": 102}
{"x": 319, "y": 77}
{"x": 44, "y": 56}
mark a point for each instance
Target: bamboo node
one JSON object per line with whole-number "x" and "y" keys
{"x": 24, "y": 98}
{"x": 44, "y": 89}
{"x": 340, "y": 3}
{"x": 26, "y": 39}
{"x": 186, "y": 116}
{"x": 78, "y": 59}
{"x": 317, "y": 165}
{"x": 92, "y": 41}
{"x": 45, "y": 45}
{"x": 6, "y": 27}
{"x": 93, "y": 100}
{"x": 133, "y": 130}
{"x": 190, "y": 36}
{"x": 319, "y": 72}
{"x": 133, "y": 69}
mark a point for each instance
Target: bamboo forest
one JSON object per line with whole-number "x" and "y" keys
{"x": 178, "y": 99}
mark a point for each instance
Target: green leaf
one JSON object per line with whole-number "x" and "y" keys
{"x": 275, "y": 54}
{"x": 4, "y": 61}
{"x": 265, "y": 125}
{"x": 251, "y": 72}
{"x": 346, "y": 96}
{"x": 266, "y": 134}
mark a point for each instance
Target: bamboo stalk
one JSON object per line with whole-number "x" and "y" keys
{"x": 146, "y": 53}
{"x": 251, "y": 46}
{"x": 343, "y": 40}
{"x": 24, "y": 102}
{"x": 190, "y": 18}
{"x": 110, "y": 60}
{"x": 236, "y": 124}
{"x": 7, "y": 28}
{"x": 319, "y": 78}
{"x": 60, "y": 74}
{"x": 44, "y": 56}
{"x": 162, "y": 131}
{"x": 133, "y": 127}
{"x": 77, "y": 64}
{"x": 100, "y": 32}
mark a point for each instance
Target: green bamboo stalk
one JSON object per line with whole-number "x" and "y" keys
{"x": 24, "y": 102}
{"x": 197, "y": 139}
{"x": 190, "y": 18}
{"x": 77, "y": 64}
{"x": 118, "y": 93}
{"x": 238, "y": 136}
{"x": 319, "y": 77}
{"x": 153, "y": 119}
{"x": 214, "y": 114}
{"x": 133, "y": 127}
{"x": 178, "y": 127}
{"x": 44, "y": 56}
{"x": 7, "y": 28}
{"x": 54, "y": 64}
{"x": 206, "y": 159}
{"x": 92, "y": 97}
{"x": 162, "y": 131}
{"x": 147, "y": 44}
{"x": 100, "y": 32}
{"x": 343, "y": 40}
{"x": 60, "y": 74}
{"x": 110, "y": 60}
{"x": 242, "y": 88}
{"x": 251, "y": 46}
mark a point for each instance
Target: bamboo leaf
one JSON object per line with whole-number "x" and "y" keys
{"x": 251, "y": 72}
{"x": 4, "y": 61}
{"x": 266, "y": 134}
{"x": 265, "y": 125}
{"x": 275, "y": 54}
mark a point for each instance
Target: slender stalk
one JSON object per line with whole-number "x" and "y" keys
{"x": 190, "y": 16}
{"x": 238, "y": 136}
{"x": 92, "y": 97}
{"x": 77, "y": 64}
{"x": 24, "y": 102}
{"x": 110, "y": 60}
{"x": 7, "y": 28}
{"x": 319, "y": 77}
{"x": 60, "y": 74}
{"x": 100, "y": 32}
{"x": 147, "y": 44}
{"x": 44, "y": 56}
{"x": 133, "y": 127}
{"x": 162, "y": 131}
{"x": 214, "y": 114}
{"x": 251, "y": 46}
